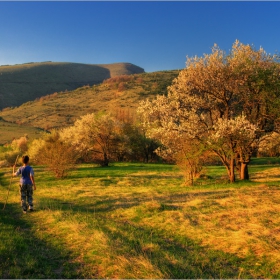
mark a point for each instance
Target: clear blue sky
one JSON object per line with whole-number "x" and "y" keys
{"x": 153, "y": 35}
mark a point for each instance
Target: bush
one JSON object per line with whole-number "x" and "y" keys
{"x": 58, "y": 156}
{"x": 20, "y": 144}
{"x": 11, "y": 157}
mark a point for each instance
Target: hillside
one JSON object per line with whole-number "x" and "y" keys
{"x": 10, "y": 131}
{"x": 117, "y": 95}
{"x": 26, "y": 82}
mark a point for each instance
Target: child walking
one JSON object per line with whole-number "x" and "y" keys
{"x": 27, "y": 183}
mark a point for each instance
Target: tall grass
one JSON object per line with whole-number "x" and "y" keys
{"x": 141, "y": 221}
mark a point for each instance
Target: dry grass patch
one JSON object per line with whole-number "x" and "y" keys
{"x": 269, "y": 175}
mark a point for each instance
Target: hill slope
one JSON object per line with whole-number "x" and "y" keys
{"x": 10, "y": 131}
{"x": 117, "y": 95}
{"x": 25, "y": 82}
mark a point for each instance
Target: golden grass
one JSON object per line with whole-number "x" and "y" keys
{"x": 236, "y": 224}
{"x": 270, "y": 175}
{"x": 97, "y": 222}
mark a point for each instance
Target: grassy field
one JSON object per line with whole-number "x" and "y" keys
{"x": 141, "y": 221}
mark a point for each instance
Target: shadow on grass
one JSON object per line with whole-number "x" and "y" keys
{"x": 24, "y": 255}
{"x": 106, "y": 204}
{"x": 118, "y": 170}
{"x": 265, "y": 161}
{"x": 173, "y": 255}
{"x": 179, "y": 258}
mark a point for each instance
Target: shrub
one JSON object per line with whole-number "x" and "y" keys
{"x": 10, "y": 157}
{"x": 58, "y": 156}
{"x": 20, "y": 144}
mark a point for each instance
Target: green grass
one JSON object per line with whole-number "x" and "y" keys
{"x": 267, "y": 161}
{"x": 141, "y": 221}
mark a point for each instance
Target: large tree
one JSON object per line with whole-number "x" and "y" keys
{"x": 240, "y": 89}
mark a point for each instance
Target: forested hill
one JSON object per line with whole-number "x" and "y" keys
{"x": 25, "y": 82}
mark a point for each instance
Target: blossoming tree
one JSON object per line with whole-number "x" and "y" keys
{"x": 223, "y": 101}
{"x": 94, "y": 133}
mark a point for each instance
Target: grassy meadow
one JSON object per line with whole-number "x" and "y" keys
{"x": 140, "y": 221}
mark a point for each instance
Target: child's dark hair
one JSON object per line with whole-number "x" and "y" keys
{"x": 25, "y": 159}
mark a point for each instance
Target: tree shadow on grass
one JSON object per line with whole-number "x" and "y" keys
{"x": 183, "y": 258}
{"x": 105, "y": 204}
{"x": 24, "y": 255}
{"x": 173, "y": 255}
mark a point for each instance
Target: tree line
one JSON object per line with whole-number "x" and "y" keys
{"x": 99, "y": 138}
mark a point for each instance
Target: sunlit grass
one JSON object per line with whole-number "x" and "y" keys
{"x": 141, "y": 221}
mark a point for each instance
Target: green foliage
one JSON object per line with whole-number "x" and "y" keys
{"x": 265, "y": 161}
{"x": 4, "y": 149}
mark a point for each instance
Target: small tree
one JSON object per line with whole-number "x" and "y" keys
{"x": 17, "y": 148}
{"x": 10, "y": 157}
{"x": 188, "y": 156}
{"x": 142, "y": 147}
{"x": 34, "y": 150}
{"x": 93, "y": 134}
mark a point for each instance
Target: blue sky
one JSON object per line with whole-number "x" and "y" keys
{"x": 153, "y": 35}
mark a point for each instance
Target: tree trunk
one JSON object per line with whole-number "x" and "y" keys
{"x": 146, "y": 155}
{"x": 232, "y": 178}
{"x": 230, "y": 170}
{"x": 105, "y": 160}
{"x": 244, "y": 172}
{"x": 229, "y": 164}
